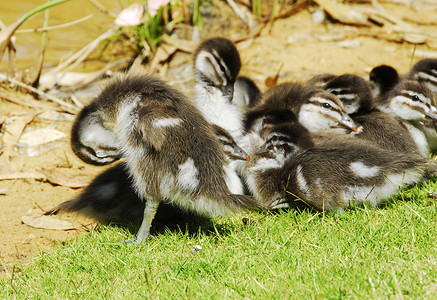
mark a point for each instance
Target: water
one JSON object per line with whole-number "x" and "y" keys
{"x": 62, "y": 42}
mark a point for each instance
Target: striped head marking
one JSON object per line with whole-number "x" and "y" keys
{"x": 425, "y": 71}
{"x": 411, "y": 100}
{"x": 353, "y": 91}
{"x": 285, "y": 140}
{"x": 323, "y": 111}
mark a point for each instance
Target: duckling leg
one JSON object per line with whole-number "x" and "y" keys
{"x": 149, "y": 215}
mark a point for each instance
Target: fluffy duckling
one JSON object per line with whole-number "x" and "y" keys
{"x": 414, "y": 103}
{"x": 110, "y": 197}
{"x": 425, "y": 71}
{"x": 377, "y": 124}
{"x": 289, "y": 171}
{"x": 216, "y": 67}
{"x": 316, "y": 109}
{"x": 171, "y": 151}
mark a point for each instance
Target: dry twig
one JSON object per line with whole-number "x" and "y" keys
{"x": 47, "y": 28}
{"x": 67, "y": 106}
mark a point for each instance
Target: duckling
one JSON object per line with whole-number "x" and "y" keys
{"x": 216, "y": 67}
{"x": 414, "y": 103}
{"x": 383, "y": 78}
{"x": 110, "y": 197}
{"x": 425, "y": 71}
{"x": 170, "y": 149}
{"x": 290, "y": 171}
{"x": 315, "y": 108}
{"x": 377, "y": 124}
{"x": 246, "y": 93}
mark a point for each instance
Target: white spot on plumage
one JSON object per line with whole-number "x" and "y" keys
{"x": 419, "y": 138}
{"x": 381, "y": 192}
{"x": 257, "y": 125}
{"x": 187, "y": 177}
{"x": 166, "y": 122}
{"x": 363, "y": 171}
{"x": 301, "y": 181}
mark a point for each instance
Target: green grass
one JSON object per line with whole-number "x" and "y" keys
{"x": 364, "y": 253}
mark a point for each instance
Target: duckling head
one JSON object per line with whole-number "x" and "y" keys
{"x": 410, "y": 100}
{"x": 216, "y": 65}
{"x": 230, "y": 147}
{"x": 322, "y": 110}
{"x": 425, "y": 71}
{"x": 353, "y": 91}
{"x": 283, "y": 136}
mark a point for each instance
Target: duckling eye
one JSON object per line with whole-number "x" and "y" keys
{"x": 326, "y": 105}
{"x": 222, "y": 68}
{"x": 415, "y": 98}
{"x": 335, "y": 92}
{"x": 274, "y": 138}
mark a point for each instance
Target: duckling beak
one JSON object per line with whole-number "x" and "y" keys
{"x": 228, "y": 91}
{"x": 262, "y": 150}
{"x": 432, "y": 113}
{"x": 239, "y": 153}
{"x": 347, "y": 121}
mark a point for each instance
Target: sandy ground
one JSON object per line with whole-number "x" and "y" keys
{"x": 301, "y": 47}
